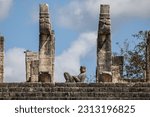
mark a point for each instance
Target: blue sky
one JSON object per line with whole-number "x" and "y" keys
{"x": 75, "y": 23}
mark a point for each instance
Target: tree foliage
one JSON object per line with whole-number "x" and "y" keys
{"x": 135, "y": 58}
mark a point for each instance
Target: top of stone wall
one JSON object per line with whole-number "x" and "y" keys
{"x": 39, "y": 84}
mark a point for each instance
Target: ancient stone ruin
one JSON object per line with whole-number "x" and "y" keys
{"x": 104, "y": 60}
{"x": 40, "y": 65}
{"x": 40, "y": 69}
{"x": 31, "y": 72}
{"x": 117, "y": 68}
{"x": 1, "y": 59}
{"x": 109, "y": 68}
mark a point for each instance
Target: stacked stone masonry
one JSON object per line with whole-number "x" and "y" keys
{"x": 75, "y": 91}
{"x": 46, "y": 46}
{"x": 40, "y": 65}
{"x": 30, "y": 58}
{"x": 104, "y": 53}
{"x": 109, "y": 68}
{"x": 117, "y": 68}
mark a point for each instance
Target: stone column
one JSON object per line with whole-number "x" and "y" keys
{"x": 117, "y": 68}
{"x": 1, "y": 59}
{"x": 34, "y": 70}
{"x": 104, "y": 59}
{"x": 46, "y": 46}
{"x": 31, "y": 58}
{"x": 148, "y": 58}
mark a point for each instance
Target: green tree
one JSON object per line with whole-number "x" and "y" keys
{"x": 134, "y": 59}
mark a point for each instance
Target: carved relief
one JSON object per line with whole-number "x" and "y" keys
{"x": 104, "y": 60}
{"x": 46, "y": 47}
{"x": 40, "y": 66}
{"x": 104, "y": 26}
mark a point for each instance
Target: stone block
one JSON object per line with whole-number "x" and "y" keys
{"x": 48, "y": 84}
{"x": 79, "y": 84}
{"x": 106, "y": 76}
{"x": 115, "y": 74}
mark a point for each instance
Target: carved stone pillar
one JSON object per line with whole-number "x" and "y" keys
{"x": 1, "y": 59}
{"x": 46, "y": 46}
{"x": 117, "y": 68}
{"x": 30, "y": 59}
{"x": 104, "y": 59}
{"x": 34, "y": 70}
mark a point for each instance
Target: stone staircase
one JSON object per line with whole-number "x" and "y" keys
{"x": 73, "y": 91}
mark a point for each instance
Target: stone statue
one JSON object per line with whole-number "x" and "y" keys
{"x": 80, "y": 78}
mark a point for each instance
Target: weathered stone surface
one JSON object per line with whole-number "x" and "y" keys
{"x": 118, "y": 61}
{"x": 74, "y": 91}
{"x": 34, "y": 70}
{"x": 79, "y": 78}
{"x": 40, "y": 65}
{"x": 46, "y": 46}
{"x": 31, "y": 70}
{"x": 1, "y": 59}
{"x": 104, "y": 60}
{"x": 106, "y": 76}
{"x": 115, "y": 74}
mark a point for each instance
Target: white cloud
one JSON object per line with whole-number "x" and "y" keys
{"x": 69, "y": 60}
{"x": 14, "y": 70}
{"x": 83, "y": 15}
{"x": 5, "y": 6}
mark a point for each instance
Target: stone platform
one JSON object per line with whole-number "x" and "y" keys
{"x": 71, "y": 91}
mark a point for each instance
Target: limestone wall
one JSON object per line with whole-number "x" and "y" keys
{"x": 81, "y": 91}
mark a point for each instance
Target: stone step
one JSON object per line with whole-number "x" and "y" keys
{"x": 75, "y": 95}
{"x": 67, "y": 91}
{"x": 78, "y": 98}
{"x": 75, "y": 89}
{"x": 39, "y": 84}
